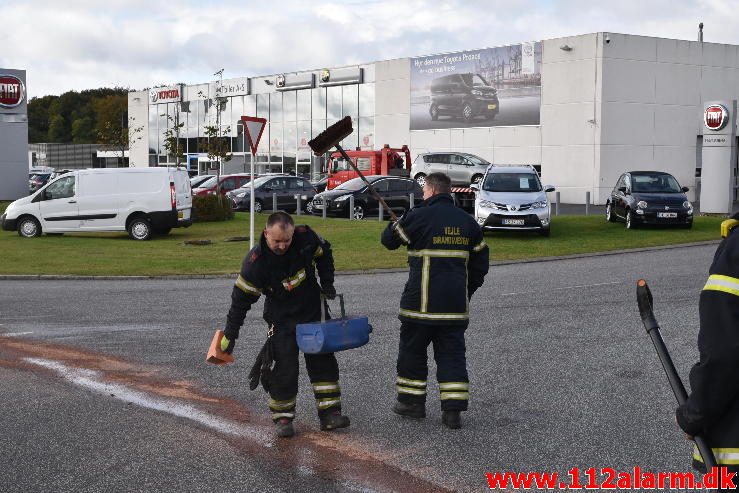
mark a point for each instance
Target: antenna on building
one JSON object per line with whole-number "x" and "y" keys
{"x": 700, "y": 32}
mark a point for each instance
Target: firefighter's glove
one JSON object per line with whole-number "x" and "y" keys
{"x": 261, "y": 370}
{"x": 329, "y": 291}
{"x": 227, "y": 345}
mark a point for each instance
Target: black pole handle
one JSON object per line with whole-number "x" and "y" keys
{"x": 371, "y": 188}
{"x": 644, "y": 299}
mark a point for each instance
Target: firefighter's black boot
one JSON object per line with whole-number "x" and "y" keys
{"x": 333, "y": 421}
{"x": 412, "y": 410}
{"x": 451, "y": 419}
{"x": 285, "y": 428}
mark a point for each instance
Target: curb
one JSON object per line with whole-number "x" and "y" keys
{"x": 55, "y": 277}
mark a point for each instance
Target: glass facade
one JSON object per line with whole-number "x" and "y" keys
{"x": 294, "y": 118}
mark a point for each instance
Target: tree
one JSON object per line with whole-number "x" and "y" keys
{"x": 58, "y": 129}
{"x": 111, "y": 128}
{"x": 172, "y": 142}
{"x": 215, "y": 144}
{"x": 82, "y": 131}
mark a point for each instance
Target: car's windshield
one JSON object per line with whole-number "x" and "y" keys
{"x": 476, "y": 160}
{"x": 477, "y": 81}
{"x": 654, "y": 184}
{"x": 511, "y": 182}
{"x": 351, "y": 185}
{"x": 211, "y": 182}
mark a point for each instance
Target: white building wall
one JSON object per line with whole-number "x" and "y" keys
{"x": 392, "y": 103}
{"x": 570, "y": 108}
{"x": 138, "y": 116}
{"x": 653, "y": 90}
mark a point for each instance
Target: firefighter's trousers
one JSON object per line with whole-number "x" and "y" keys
{"x": 323, "y": 371}
{"x": 451, "y": 364}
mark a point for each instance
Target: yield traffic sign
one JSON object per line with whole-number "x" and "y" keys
{"x": 253, "y": 128}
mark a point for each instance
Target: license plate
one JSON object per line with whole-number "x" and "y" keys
{"x": 513, "y": 222}
{"x": 183, "y": 214}
{"x": 667, "y": 214}
{"x": 318, "y": 206}
{"x": 492, "y": 106}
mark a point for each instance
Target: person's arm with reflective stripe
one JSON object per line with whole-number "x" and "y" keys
{"x": 246, "y": 292}
{"x": 397, "y": 232}
{"x": 714, "y": 380}
{"x": 478, "y": 265}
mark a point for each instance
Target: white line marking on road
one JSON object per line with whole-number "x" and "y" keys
{"x": 90, "y": 380}
{"x": 566, "y": 287}
{"x": 15, "y": 334}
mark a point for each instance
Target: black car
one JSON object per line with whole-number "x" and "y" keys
{"x": 320, "y": 185}
{"x": 287, "y": 189}
{"x": 394, "y": 190}
{"x": 649, "y": 197}
{"x": 463, "y": 95}
{"x": 37, "y": 180}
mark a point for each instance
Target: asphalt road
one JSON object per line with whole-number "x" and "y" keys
{"x": 104, "y": 385}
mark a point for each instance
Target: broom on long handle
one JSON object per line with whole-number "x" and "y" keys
{"x": 331, "y": 137}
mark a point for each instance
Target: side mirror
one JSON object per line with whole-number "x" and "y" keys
{"x": 549, "y": 188}
{"x": 685, "y": 189}
{"x": 475, "y": 187}
{"x": 622, "y": 189}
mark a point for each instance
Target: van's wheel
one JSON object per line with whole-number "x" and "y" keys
{"x": 609, "y": 214}
{"x": 629, "y": 220}
{"x": 476, "y": 179}
{"x": 467, "y": 112}
{"x": 29, "y": 227}
{"x": 258, "y": 206}
{"x": 434, "y": 112}
{"x": 358, "y": 212}
{"x": 140, "y": 229}
{"x": 421, "y": 179}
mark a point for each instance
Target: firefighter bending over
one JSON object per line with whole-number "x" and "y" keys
{"x": 283, "y": 267}
{"x": 448, "y": 261}
{"x": 712, "y": 409}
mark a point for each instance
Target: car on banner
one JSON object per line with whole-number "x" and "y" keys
{"x": 512, "y": 198}
{"x": 394, "y": 190}
{"x": 461, "y": 167}
{"x": 465, "y": 95}
{"x": 649, "y": 197}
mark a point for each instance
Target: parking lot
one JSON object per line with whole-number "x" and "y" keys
{"x": 106, "y": 388}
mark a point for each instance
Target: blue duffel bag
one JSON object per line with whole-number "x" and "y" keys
{"x": 329, "y": 336}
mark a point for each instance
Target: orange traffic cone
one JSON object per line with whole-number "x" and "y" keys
{"x": 215, "y": 355}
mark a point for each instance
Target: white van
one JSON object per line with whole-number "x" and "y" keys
{"x": 142, "y": 201}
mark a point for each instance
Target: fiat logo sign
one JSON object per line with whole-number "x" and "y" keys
{"x": 715, "y": 117}
{"x": 12, "y": 91}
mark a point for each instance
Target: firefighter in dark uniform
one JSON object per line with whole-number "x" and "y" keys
{"x": 712, "y": 410}
{"x": 448, "y": 261}
{"x": 283, "y": 267}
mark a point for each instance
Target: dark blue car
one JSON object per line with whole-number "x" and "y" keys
{"x": 649, "y": 197}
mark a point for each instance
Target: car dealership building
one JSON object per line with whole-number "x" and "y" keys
{"x": 582, "y": 109}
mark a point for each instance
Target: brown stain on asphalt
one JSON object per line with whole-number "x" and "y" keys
{"x": 337, "y": 456}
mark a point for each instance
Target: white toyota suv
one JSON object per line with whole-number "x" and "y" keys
{"x": 512, "y": 198}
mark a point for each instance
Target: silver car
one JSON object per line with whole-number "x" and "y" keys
{"x": 512, "y": 198}
{"x": 462, "y": 168}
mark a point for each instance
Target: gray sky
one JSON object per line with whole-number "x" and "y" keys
{"x": 84, "y": 44}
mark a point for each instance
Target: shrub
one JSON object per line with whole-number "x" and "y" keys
{"x": 211, "y": 208}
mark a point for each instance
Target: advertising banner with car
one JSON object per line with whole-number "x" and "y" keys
{"x": 480, "y": 88}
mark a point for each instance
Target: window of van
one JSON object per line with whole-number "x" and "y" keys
{"x": 60, "y": 189}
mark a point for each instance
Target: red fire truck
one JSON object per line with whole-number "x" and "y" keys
{"x": 386, "y": 161}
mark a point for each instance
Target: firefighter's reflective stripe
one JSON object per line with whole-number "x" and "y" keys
{"x": 434, "y": 316}
{"x": 276, "y": 416}
{"x": 439, "y": 253}
{"x": 328, "y": 402}
{"x": 319, "y": 252}
{"x": 479, "y": 246}
{"x": 247, "y": 287}
{"x": 293, "y": 282}
{"x": 403, "y": 235}
{"x": 725, "y": 284}
{"x": 425, "y": 275}
{"x": 454, "y": 390}
{"x": 411, "y": 383}
{"x": 325, "y": 387}
{"x": 724, "y": 456}
{"x": 410, "y": 386}
{"x": 276, "y": 405}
